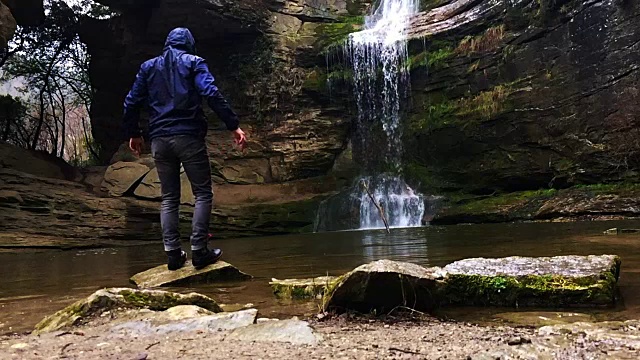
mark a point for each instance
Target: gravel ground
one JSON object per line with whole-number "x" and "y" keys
{"x": 343, "y": 338}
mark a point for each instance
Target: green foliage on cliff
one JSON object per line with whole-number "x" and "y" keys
{"x": 490, "y": 40}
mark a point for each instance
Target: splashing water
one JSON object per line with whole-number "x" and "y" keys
{"x": 379, "y": 56}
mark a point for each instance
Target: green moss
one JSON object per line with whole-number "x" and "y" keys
{"x": 486, "y": 104}
{"x": 432, "y": 59}
{"x": 332, "y": 35}
{"x": 315, "y": 81}
{"x": 613, "y": 188}
{"x": 301, "y": 289}
{"x": 153, "y": 302}
{"x": 489, "y": 41}
{"x": 505, "y": 200}
{"x": 530, "y": 290}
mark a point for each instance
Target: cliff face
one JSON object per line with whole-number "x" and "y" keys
{"x": 265, "y": 56}
{"x": 523, "y": 95}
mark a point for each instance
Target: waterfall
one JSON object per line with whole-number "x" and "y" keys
{"x": 378, "y": 55}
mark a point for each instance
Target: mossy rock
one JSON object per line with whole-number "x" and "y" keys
{"x": 546, "y": 282}
{"x": 160, "y": 276}
{"x": 384, "y": 285}
{"x": 302, "y": 288}
{"x": 107, "y": 299}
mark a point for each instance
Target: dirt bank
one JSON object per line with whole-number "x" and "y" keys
{"x": 343, "y": 338}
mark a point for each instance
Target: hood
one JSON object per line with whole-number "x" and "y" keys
{"x": 181, "y": 39}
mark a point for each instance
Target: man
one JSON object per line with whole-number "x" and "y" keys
{"x": 173, "y": 86}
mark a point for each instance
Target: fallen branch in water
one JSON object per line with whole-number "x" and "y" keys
{"x": 384, "y": 218}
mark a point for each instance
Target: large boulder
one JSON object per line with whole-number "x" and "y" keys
{"x": 122, "y": 177}
{"x": 107, "y": 299}
{"x": 385, "y": 285}
{"x": 149, "y": 187}
{"x": 188, "y": 275}
{"x": 546, "y": 282}
{"x": 561, "y": 281}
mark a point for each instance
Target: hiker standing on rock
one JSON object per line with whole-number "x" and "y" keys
{"x": 173, "y": 86}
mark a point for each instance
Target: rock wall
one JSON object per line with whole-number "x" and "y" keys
{"x": 267, "y": 59}
{"x": 522, "y": 95}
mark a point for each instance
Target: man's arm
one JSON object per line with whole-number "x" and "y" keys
{"x": 133, "y": 104}
{"x": 206, "y": 87}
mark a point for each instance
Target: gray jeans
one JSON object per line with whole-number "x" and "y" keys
{"x": 190, "y": 151}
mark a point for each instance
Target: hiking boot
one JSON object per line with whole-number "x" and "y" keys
{"x": 177, "y": 258}
{"x": 205, "y": 257}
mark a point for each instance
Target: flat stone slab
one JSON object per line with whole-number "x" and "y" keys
{"x": 206, "y": 323}
{"x": 291, "y": 331}
{"x": 383, "y": 286}
{"x": 107, "y": 299}
{"x": 161, "y": 276}
{"x": 560, "y": 281}
{"x": 302, "y": 288}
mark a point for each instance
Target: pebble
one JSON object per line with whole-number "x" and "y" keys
{"x": 20, "y": 346}
{"x": 518, "y": 340}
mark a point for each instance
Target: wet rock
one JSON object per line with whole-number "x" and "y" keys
{"x": 541, "y": 282}
{"x": 290, "y": 331}
{"x": 616, "y": 231}
{"x": 10, "y": 197}
{"x": 149, "y": 188}
{"x": 187, "y": 275}
{"x": 384, "y": 285}
{"x": 107, "y": 299}
{"x": 613, "y": 231}
{"x": 302, "y": 288}
{"x": 122, "y": 176}
{"x": 209, "y": 323}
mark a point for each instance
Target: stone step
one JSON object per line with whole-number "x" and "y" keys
{"x": 188, "y": 275}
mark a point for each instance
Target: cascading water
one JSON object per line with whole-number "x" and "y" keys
{"x": 379, "y": 57}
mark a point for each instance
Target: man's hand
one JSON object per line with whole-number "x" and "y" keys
{"x": 135, "y": 144}
{"x": 240, "y": 138}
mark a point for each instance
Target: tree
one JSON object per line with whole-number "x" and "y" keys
{"x": 53, "y": 64}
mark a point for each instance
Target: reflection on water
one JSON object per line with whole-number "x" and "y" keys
{"x": 35, "y": 283}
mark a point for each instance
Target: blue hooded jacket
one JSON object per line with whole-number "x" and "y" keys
{"x": 173, "y": 86}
